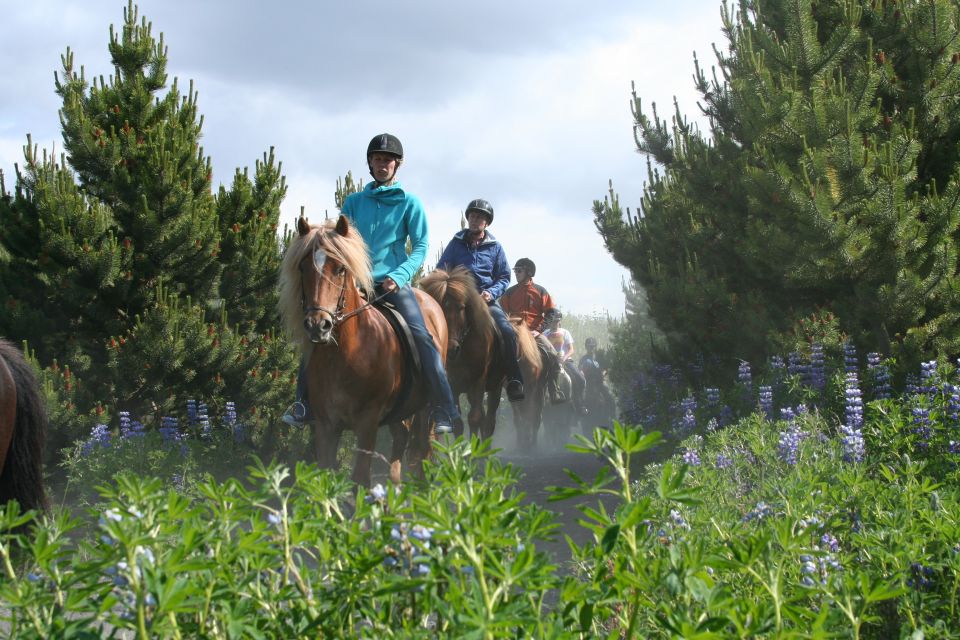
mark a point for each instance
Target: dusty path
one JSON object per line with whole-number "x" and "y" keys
{"x": 544, "y": 468}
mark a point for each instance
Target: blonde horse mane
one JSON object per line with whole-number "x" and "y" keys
{"x": 460, "y": 285}
{"x": 349, "y": 250}
{"x": 527, "y": 344}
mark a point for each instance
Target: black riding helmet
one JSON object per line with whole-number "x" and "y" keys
{"x": 483, "y": 207}
{"x": 552, "y": 314}
{"x": 527, "y": 264}
{"x": 590, "y": 342}
{"x": 385, "y": 143}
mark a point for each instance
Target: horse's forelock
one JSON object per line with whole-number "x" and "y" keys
{"x": 461, "y": 283}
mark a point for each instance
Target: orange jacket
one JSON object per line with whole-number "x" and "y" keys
{"x": 529, "y": 301}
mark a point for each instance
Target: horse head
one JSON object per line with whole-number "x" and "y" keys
{"x": 327, "y": 280}
{"x": 456, "y": 291}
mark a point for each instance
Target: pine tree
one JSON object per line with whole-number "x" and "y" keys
{"x": 827, "y": 182}
{"x": 124, "y": 268}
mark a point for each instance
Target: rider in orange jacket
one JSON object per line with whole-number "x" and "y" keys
{"x": 526, "y": 298}
{"x": 530, "y": 301}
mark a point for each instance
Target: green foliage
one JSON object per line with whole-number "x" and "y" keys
{"x": 827, "y": 182}
{"x": 123, "y": 269}
{"x": 738, "y": 540}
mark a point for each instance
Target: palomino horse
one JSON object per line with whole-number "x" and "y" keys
{"x": 356, "y": 366}
{"x": 23, "y": 431}
{"x": 528, "y": 413}
{"x": 474, "y": 355}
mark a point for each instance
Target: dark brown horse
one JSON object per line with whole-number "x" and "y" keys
{"x": 474, "y": 357}
{"x": 23, "y": 431}
{"x": 355, "y": 366}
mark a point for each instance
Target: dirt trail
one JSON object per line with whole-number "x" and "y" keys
{"x": 543, "y": 468}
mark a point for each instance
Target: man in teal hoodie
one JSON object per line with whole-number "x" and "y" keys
{"x": 387, "y": 216}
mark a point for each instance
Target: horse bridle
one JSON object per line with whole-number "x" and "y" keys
{"x": 337, "y": 315}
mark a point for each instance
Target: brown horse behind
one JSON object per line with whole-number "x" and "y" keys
{"x": 474, "y": 358}
{"x": 23, "y": 431}
{"x": 355, "y": 366}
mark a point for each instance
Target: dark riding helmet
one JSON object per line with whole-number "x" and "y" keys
{"x": 526, "y": 263}
{"x": 385, "y": 143}
{"x": 552, "y": 314}
{"x": 590, "y": 342}
{"x": 481, "y": 206}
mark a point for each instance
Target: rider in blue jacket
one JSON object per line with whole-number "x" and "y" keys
{"x": 479, "y": 252}
{"x": 386, "y": 216}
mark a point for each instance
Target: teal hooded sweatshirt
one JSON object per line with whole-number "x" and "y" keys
{"x": 386, "y": 216}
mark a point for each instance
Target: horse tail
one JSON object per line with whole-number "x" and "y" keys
{"x": 22, "y": 476}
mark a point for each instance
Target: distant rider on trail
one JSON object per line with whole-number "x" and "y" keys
{"x": 529, "y": 301}
{"x": 386, "y": 216}
{"x": 562, "y": 341}
{"x": 475, "y": 249}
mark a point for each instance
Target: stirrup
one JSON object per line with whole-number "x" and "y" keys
{"x": 515, "y": 391}
{"x": 296, "y": 414}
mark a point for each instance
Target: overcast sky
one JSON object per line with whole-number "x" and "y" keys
{"x": 523, "y": 103}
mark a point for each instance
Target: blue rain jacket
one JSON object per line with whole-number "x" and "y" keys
{"x": 386, "y": 216}
{"x": 487, "y": 261}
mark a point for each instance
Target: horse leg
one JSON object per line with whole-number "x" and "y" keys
{"x": 401, "y": 435}
{"x": 490, "y": 420}
{"x": 419, "y": 447}
{"x": 476, "y": 415}
{"x": 326, "y": 443}
{"x": 366, "y": 443}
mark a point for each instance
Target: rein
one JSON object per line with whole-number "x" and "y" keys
{"x": 337, "y": 314}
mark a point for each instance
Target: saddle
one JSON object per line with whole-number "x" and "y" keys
{"x": 413, "y": 368}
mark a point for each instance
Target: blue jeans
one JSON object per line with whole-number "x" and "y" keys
{"x": 441, "y": 396}
{"x": 509, "y": 335}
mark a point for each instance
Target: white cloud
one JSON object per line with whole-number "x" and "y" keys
{"x": 527, "y": 109}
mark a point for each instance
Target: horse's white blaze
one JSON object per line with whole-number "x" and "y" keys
{"x": 319, "y": 258}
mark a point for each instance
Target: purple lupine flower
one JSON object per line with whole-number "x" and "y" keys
{"x": 880, "y": 376}
{"x": 766, "y": 401}
{"x": 169, "y": 430}
{"x": 691, "y": 457}
{"x": 99, "y": 438}
{"x": 130, "y": 429}
{"x": 712, "y": 425}
{"x": 921, "y": 577}
{"x": 759, "y": 512}
{"x": 203, "y": 420}
{"x": 191, "y": 412}
{"x": 677, "y": 520}
{"x": 928, "y": 378}
{"x": 830, "y": 543}
{"x": 788, "y": 444}
{"x": 921, "y": 425}
{"x": 744, "y": 376}
{"x": 851, "y": 431}
{"x": 713, "y": 396}
{"x": 850, "y": 364}
{"x": 795, "y": 364}
{"x": 777, "y": 364}
{"x": 953, "y": 447}
{"x": 952, "y": 409}
{"x": 854, "y": 402}
{"x": 818, "y": 373}
{"x": 723, "y": 461}
{"x": 230, "y": 414}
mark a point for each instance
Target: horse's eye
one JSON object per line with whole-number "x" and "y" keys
{"x": 341, "y": 270}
